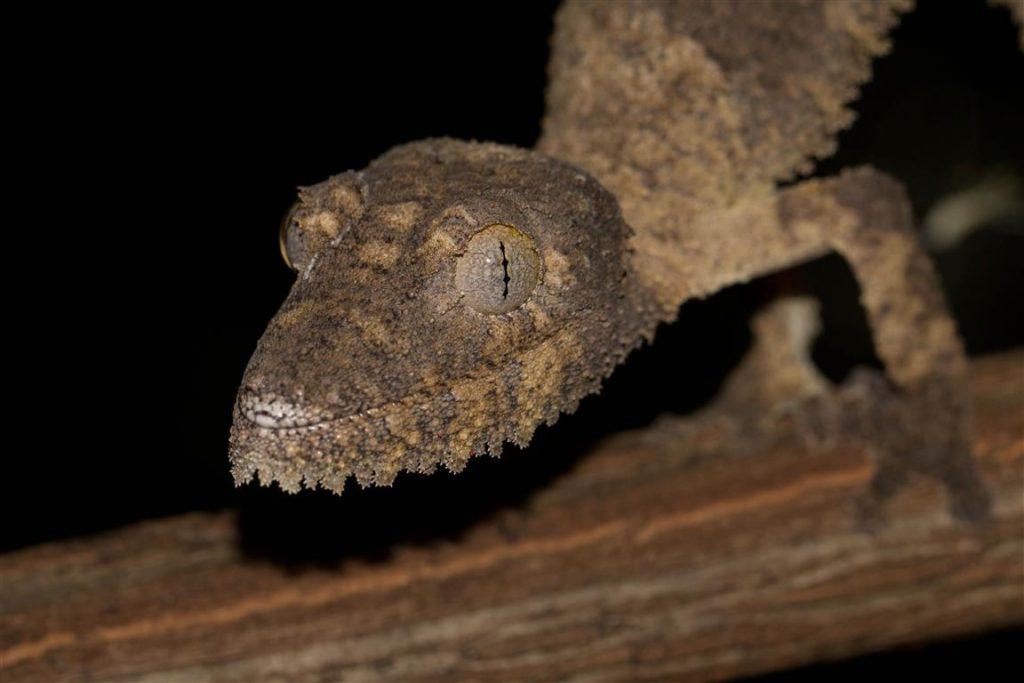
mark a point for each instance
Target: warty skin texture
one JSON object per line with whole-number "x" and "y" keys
{"x": 376, "y": 363}
{"x": 687, "y": 115}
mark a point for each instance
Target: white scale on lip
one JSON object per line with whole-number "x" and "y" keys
{"x": 276, "y": 413}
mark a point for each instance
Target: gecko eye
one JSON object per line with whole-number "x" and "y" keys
{"x": 290, "y": 239}
{"x": 499, "y": 270}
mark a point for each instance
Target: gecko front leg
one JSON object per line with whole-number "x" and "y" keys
{"x": 922, "y": 425}
{"x": 918, "y": 422}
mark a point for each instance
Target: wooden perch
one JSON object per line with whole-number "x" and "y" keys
{"x": 666, "y": 553}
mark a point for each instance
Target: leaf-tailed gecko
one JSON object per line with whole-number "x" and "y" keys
{"x": 454, "y": 296}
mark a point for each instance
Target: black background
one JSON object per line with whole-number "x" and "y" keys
{"x": 158, "y": 159}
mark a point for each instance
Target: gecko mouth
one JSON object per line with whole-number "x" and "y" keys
{"x": 277, "y": 439}
{"x": 299, "y": 446}
{"x": 276, "y": 413}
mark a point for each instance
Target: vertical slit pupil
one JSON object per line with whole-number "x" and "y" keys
{"x": 504, "y": 267}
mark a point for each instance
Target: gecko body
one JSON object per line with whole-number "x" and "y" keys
{"x": 454, "y": 295}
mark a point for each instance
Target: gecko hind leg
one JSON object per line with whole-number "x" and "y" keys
{"x": 919, "y": 421}
{"x": 777, "y": 374}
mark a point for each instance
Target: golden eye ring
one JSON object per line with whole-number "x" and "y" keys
{"x": 282, "y": 234}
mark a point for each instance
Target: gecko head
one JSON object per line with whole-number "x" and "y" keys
{"x": 450, "y": 297}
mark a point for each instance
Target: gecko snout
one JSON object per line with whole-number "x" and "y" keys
{"x": 271, "y": 411}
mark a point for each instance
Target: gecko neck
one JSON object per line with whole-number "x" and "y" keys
{"x": 656, "y": 102}
{"x": 668, "y": 154}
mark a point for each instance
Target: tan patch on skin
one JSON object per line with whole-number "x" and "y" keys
{"x": 325, "y": 222}
{"x": 540, "y": 319}
{"x": 393, "y": 453}
{"x": 431, "y": 377}
{"x": 376, "y": 332}
{"x": 557, "y": 272}
{"x": 378, "y": 253}
{"x": 299, "y": 314}
{"x": 439, "y": 243}
{"x": 348, "y": 200}
{"x": 473, "y": 392}
{"x": 542, "y": 377}
{"x": 402, "y": 424}
{"x": 460, "y": 212}
{"x": 400, "y": 217}
{"x": 500, "y": 338}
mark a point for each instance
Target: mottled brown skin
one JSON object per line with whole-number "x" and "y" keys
{"x": 690, "y": 113}
{"x": 377, "y": 353}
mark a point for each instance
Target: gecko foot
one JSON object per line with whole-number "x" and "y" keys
{"x": 919, "y": 432}
{"x": 920, "y": 429}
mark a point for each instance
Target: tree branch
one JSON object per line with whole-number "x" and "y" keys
{"x": 680, "y": 551}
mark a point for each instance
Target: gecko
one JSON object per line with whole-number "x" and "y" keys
{"x": 453, "y": 296}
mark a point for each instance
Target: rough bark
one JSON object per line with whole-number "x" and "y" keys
{"x": 686, "y": 550}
